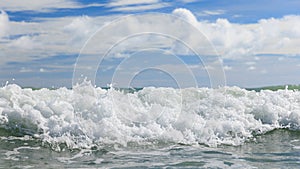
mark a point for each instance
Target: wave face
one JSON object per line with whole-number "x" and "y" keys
{"x": 86, "y": 116}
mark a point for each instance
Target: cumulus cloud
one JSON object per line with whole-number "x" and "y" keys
{"x": 267, "y": 36}
{"x": 47, "y": 37}
{"x": 186, "y": 15}
{"x": 52, "y": 36}
{"x": 24, "y": 43}
{"x": 4, "y": 24}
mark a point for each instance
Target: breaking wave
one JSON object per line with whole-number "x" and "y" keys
{"x": 86, "y": 116}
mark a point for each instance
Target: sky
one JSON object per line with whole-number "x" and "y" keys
{"x": 131, "y": 43}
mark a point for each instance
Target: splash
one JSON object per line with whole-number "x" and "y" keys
{"x": 87, "y": 116}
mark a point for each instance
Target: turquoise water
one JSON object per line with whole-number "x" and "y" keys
{"x": 89, "y": 127}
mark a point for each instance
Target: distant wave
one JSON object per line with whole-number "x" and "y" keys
{"x": 86, "y": 116}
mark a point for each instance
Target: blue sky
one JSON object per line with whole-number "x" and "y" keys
{"x": 257, "y": 42}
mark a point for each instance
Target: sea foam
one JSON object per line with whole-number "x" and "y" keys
{"x": 86, "y": 116}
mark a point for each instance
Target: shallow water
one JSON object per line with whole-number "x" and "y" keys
{"x": 89, "y": 127}
{"x": 276, "y": 149}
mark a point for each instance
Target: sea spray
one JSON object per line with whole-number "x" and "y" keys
{"x": 86, "y": 116}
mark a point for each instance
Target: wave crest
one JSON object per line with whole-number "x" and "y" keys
{"x": 87, "y": 116}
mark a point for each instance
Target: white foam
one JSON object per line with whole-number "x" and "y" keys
{"x": 86, "y": 116}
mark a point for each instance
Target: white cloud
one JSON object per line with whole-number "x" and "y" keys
{"x": 227, "y": 67}
{"x": 186, "y": 15}
{"x": 25, "y": 70}
{"x": 24, "y": 43}
{"x": 51, "y": 36}
{"x": 81, "y": 28}
{"x": 42, "y": 70}
{"x": 275, "y": 36}
{"x": 4, "y": 24}
{"x": 211, "y": 12}
{"x": 115, "y": 3}
{"x": 251, "y": 68}
{"x": 47, "y": 37}
{"x": 41, "y": 5}
{"x": 133, "y": 5}
{"x": 140, "y": 7}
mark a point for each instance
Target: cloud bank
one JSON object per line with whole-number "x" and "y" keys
{"x": 66, "y": 35}
{"x": 267, "y": 36}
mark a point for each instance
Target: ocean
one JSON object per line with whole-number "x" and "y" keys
{"x": 90, "y": 127}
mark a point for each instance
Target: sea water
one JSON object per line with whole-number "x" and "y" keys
{"x": 89, "y": 127}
